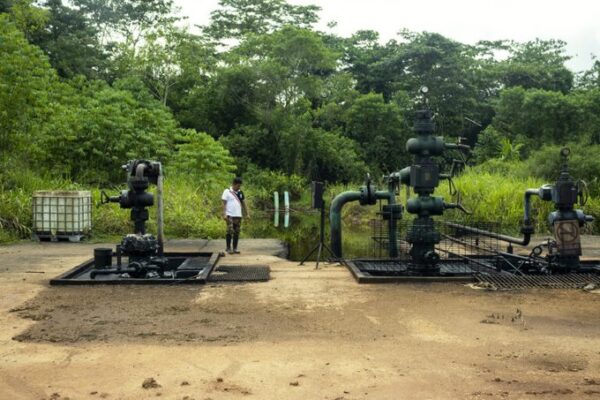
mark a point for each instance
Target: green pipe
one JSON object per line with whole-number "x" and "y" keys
{"x": 392, "y": 234}
{"x": 335, "y": 219}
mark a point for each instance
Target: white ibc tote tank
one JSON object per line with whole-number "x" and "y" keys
{"x": 62, "y": 214}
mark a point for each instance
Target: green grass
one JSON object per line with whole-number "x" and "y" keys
{"x": 499, "y": 199}
{"x": 193, "y": 210}
{"x": 496, "y": 199}
{"x": 16, "y": 190}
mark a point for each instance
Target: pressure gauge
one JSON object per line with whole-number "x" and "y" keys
{"x": 424, "y": 89}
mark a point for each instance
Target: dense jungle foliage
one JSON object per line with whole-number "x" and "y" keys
{"x": 86, "y": 85}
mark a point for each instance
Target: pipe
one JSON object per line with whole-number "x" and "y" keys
{"x": 335, "y": 220}
{"x": 505, "y": 238}
{"x": 526, "y": 229}
{"x": 392, "y": 234}
{"x": 94, "y": 272}
{"x": 139, "y": 171}
{"x": 527, "y": 211}
{"x": 457, "y": 146}
{"x": 159, "y": 215}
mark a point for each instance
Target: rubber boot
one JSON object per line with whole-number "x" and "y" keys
{"x": 235, "y": 244}
{"x": 228, "y": 240}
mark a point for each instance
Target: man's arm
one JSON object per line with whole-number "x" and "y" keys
{"x": 224, "y": 209}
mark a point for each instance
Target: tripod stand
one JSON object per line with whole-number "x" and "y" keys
{"x": 319, "y": 246}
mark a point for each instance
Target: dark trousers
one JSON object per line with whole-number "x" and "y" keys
{"x": 234, "y": 224}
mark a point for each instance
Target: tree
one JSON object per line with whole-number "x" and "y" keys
{"x": 373, "y": 65}
{"x": 291, "y": 144}
{"x": 28, "y": 18}
{"x": 587, "y": 104}
{"x": 158, "y": 61}
{"x": 315, "y": 153}
{"x": 126, "y": 21}
{"x": 591, "y": 78}
{"x": 232, "y": 99}
{"x": 380, "y": 130}
{"x": 263, "y": 72}
{"x": 292, "y": 63}
{"x": 451, "y": 71}
{"x": 26, "y": 83}
{"x": 263, "y": 103}
{"x": 536, "y": 117}
{"x": 489, "y": 145}
{"x": 537, "y": 64}
{"x": 71, "y": 42}
{"x": 236, "y": 19}
{"x": 96, "y": 125}
{"x": 198, "y": 156}
{"x": 5, "y": 6}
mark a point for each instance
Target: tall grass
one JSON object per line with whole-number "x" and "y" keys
{"x": 16, "y": 189}
{"x": 190, "y": 210}
{"x": 499, "y": 199}
{"x": 193, "y": 210}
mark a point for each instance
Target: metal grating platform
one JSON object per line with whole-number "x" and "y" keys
{"x": 241, "y": 273}
{"x": 385, "y": 271}
{"x": 393, "y": 267}
{"x": 510, "y": 282}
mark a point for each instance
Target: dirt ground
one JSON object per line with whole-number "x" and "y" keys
{"x": 306, "y": 334}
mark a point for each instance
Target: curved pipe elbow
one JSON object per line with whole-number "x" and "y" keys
{"x": 525, "y": 241}
{"x": 139, "y": 171}
{"x": 341, "y": 199}
{"x": 335, "y": 219}
{"x": 335, "y": 215}
{"x": 527, "y": 205}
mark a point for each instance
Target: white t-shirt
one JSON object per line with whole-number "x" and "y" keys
{"x": 233, "y": 208}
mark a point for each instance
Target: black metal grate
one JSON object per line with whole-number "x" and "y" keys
{"x": 241, "y": 273}
{"x": 401, "y": 267}
{"x": 567, "y": 281}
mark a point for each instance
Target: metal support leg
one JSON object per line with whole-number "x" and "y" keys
{"x": 319, "y": 247}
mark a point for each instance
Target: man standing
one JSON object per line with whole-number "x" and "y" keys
{"x": 234, "y": 207}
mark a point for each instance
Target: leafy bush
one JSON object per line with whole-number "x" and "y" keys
{"x": 261, "y": 184}
{"x": 546, "y": 163}
{"x": 202, "y": 159}
{"x": 96, "y": 127}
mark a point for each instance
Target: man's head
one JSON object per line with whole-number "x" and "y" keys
{"x": 236, "y": 184}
